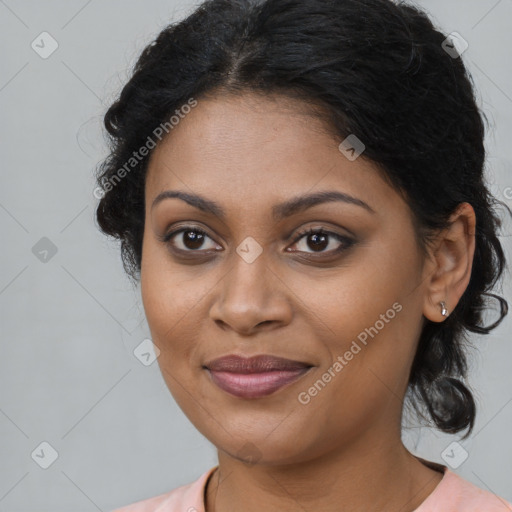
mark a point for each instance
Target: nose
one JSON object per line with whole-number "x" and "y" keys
{"x": 252, "y": 298}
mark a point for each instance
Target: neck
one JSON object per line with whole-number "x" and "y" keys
{"x": 367, "y": 476}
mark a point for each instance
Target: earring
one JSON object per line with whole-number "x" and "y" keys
{"x": 444, "y": 311}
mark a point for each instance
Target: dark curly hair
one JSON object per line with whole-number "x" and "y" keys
{"x": 381, "y": 71}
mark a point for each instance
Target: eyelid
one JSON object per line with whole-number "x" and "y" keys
{"x": 324, "y": 226}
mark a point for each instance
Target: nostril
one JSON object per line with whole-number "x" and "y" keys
{"x": 265, "y": 322}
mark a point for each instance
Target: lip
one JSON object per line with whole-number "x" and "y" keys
{"x": 256, "y": 376}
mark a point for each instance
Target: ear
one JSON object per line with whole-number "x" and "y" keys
{"x": 451, "y": 261}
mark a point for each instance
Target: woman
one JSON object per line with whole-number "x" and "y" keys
{"x": 298, "y": 185}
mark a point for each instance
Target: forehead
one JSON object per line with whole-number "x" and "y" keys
{"x": 251, "y": 150}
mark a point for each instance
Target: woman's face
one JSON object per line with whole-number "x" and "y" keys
{"x": 347, "y": 304}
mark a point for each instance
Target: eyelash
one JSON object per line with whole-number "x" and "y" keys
{"x": 345, "y": 241}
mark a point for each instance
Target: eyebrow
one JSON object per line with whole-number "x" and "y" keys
{"x": 279, "y": 211}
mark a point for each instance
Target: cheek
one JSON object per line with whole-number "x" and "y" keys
{"x": 368, "y": 293}
{"x": 372, "y": 308}
{"x": 171, "y": 305}
{"x": 170, "y": 298}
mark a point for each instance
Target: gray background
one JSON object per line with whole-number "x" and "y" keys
{"x": 69, "y": 325}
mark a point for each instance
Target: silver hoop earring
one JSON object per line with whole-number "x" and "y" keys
{"x": 444, "y": 311}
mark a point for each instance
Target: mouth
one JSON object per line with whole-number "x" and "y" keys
{"x": 254, "y": 377}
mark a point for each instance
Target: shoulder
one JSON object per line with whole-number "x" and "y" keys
{"x": 186, "y": 498}
{"x": 455, "y": 494}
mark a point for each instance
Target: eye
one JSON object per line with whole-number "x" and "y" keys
{"x": 190, "y": 239}
{"x": 319, "y": 239}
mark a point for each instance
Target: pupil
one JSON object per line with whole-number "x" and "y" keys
{"x": 193, "y": 240}
{"x": 317, "y": 243}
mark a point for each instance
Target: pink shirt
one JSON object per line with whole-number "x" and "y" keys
{"x": 452, "y": 494}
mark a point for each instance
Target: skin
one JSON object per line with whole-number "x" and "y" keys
{"x": 248, "y": 153}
